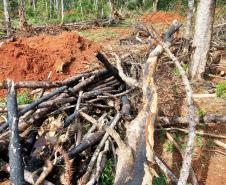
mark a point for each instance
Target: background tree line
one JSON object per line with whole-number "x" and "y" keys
{"x": 54, "y": 11}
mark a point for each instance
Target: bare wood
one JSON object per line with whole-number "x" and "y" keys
{"x": 128, "y": 80}
{"x": 184, "y": 173}
{"x": 86, "y": 176}
{"x": 45, "y": 172}
{"x": 31, "y": 178}
{"x": 109, "y": 67}
{"x": 209, "y": 118}
{"x": 15, "y": 158}
{"x": 221, "y": 144}
{"x": 202, "y": 133}
{"x": 165, "y": 169}
{"x": 217, "y": 151}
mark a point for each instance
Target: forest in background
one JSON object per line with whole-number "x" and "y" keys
{"x": 39, "y": 12}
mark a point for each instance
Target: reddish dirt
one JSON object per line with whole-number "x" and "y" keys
{"x": 161, "y": 17}
{"x": 33, "y": 58}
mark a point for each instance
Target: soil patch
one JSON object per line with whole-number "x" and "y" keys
{"x": 33, "y": 58}
{"x": 161, "y": 17}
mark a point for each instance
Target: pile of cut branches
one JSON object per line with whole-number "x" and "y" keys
{"x": 72, "y": 127}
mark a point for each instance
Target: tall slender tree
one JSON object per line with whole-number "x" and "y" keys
{"x": 188, "y": 33}
{"x": 62, "y": 11}
{"x": 155, "y": 5}
{"x": 7, "y": 17}
{"x": 202, "y": 37}
{"x": 22, "y": 14}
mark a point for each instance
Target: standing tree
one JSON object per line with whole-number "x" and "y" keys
{"x": 155, "y": 5}
{"x": 189, "y": 24}
{"x": 22, "y": 14}
{"x": 62, "y": 11}
{"x": 7, "y": 17}
{"x": 202, "y": 37}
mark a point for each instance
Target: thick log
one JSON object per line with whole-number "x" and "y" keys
{"x": 109, "y": 67}
{"x": 15, "y": 158}
{"x": 140, "y": 132}
{"x": 47, "y": 84}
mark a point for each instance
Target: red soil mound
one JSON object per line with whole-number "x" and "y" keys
{"x": 33, "y": 58}
{"x": 161, "y": 17}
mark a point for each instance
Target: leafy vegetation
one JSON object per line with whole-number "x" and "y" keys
{"x": 221, "y": 90}
{"x": 24, "y": 98}
{"x": 169, "y": 147}
{"x": 161, "y": 180}
{"x": 199, "y": 141}
{"x": 107, "y": 177}
{"x": 175, "y": 71}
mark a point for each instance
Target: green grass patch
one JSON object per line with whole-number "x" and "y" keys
{"x": 169, "y": 147}
{"x": 175, "y": 71}
{"x": 107, "y": 177}
{"x": 99, "y": 36}
{"x": 24, "y": 98}
{"x": 199, "y": 141}
{"x": 221, "y": 90}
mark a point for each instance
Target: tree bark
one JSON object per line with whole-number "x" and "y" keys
{"x": 202, "y": 37}
{"x": 188, "y": 33}
{"x": 62, "y": 11}
{"x": 7, "y": 18}
{"x": 155, "y": 5}
{"x": 22, "y": 14}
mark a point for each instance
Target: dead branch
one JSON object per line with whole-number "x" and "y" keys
{"x": 46, "y": 170}
{"x": 220, "y": 144}
{"x": 15, "y": 158}
{"x": 86, "y": 177}
{"x": 128, "y": 80}
{"x": 165, "y": 169}
{"x": 202, "y": 133}
{"x": 209, "y": 118}
{"x": 31, "y": 178}
{"x": 217, "y": 151}
{"x": 109, "y": 67}
{"x": 184, "y": 173}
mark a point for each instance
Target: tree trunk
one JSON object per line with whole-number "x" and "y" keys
{"x": 202, "y": 37}
{"x": 7, "y": 17}
{"x": 111, "y": 15}
{"x": 188, "y": 34}
{"x": 22, "y": 14}
{"x": 155, "y": 5}
{"x": 62, "y": 11}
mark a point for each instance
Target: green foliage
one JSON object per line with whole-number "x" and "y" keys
{"x": 199, "y": 141}
{"x": 2, "y": 103}
{"x": 24, "y": 98}
{"x": 175, "y": 71}
{"x": 201, "y": 113}
{"x": 161, "y": 180}
{"x": 169, "y": 147}
{"x": 221, "y": 90}
{"x": 107, "y": 177}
